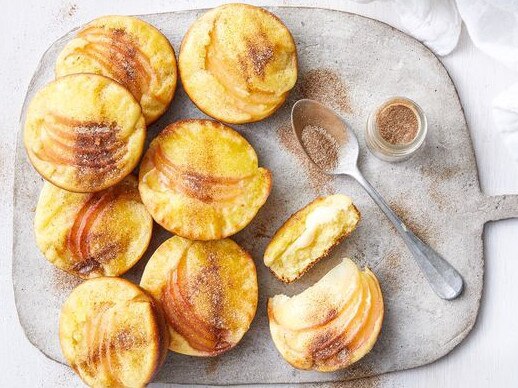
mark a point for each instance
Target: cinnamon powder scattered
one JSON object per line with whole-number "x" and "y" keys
{"x": 63, "y": 282}
{"x": 320, "y": 146}
{"x": 414, "y": 221}
{"x": 72, "y": 9}
{"x": 325, "y": 86}
{"x": 397, "y": 124}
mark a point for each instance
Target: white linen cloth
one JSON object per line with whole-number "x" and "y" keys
{"x": 493, "y": 28}
{"x": 436, "y": 23}
{"x": 505, "y": 115}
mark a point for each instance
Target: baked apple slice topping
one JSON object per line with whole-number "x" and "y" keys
{"x": 202, "y": 187}
{"x": 79, "y": 239}
{"x": 119, "y": 55}
{"x": 183, "y": 319}
{"x": 307, "y": 341}
{"x": 82, "y": 144}
{"x": 109, "y": 341}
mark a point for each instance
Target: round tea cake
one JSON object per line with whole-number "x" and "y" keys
{"x": 208, "y": 291}
{"x": 200, "y": 179}
{"x": 130, "y": 51}
{"x": 112, "y": 333}
{"x": 238, "y": 63}
{"x": 84, "y": 132}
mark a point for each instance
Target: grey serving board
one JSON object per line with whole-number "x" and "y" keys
{"x": 437, "y": 192}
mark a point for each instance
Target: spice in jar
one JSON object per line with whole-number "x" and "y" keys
{"x": 396, "y": 129}
{"x": 397, "y": 123}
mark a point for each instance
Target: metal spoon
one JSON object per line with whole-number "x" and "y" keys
{"x": 443, "y": 278}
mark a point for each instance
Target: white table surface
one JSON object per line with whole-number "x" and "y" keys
{"x": 488, "y": 357}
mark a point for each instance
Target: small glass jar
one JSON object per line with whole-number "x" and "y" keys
{"x": 385, "y": 150}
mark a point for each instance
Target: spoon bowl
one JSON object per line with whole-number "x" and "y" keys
{"x": 307, "y": 112}
{"x": 443, "y": 278}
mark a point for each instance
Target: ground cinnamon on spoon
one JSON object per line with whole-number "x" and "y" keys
{"x": 397, "y": 124}
{"x": 321, "y": 147}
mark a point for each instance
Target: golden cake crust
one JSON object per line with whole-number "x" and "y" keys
{"x": 286, "y": 260}
{"x": 112, "y": 333}
{"x": 130, "y": 51}
{"x": 84, "y": 132}
{"x": 200, "y": 180}
{"x": 208, "y": 291}
{"x": 238, "y": 63}
{"x": 95, "y": 234}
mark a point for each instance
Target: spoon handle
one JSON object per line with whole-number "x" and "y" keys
{"x": 444, "y": 279}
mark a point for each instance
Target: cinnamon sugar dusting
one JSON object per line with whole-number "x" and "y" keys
{"x": 332, "y": 352}
{"x": 105, "y": 349}
{"x": 419, "y": 228}
{"x": 321, "y": 147}
{"x": 260, "y": 54}
{"x": 126, "y": 340}
{"x": 84, "y": 267}
{"x": 320, "y": 182}
{"x": 63, "y": 282}
{"x": 217, "y": 300}
{"x": 325, "y": 86}
{"x": 67, "y": 11}
{"x": 127, "y": 59}
{"x": 365, "y": 382}
{"x": 438, "y": 177}
{"x": 119, "y": 54}
{"x": 96, "y": 145}
{"x": 205, "y": 188}
{"x": 389, "y": 269}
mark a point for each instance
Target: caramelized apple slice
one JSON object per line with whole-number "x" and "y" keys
{"x": 127, "y": 63}
{"x": 366, "y": 338}
{"x": 193, "y": 184}
{"x": 208, "y": 291}
{"x": 238, "y": 88}
{"x": 182, "y": 317}
{"x": 96, "y": 234}
{"x": 112, "y": 333}
{"x": 332, "y": 293}
{"x": 77, "y": 240}
{"x": 333, "y": 343}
